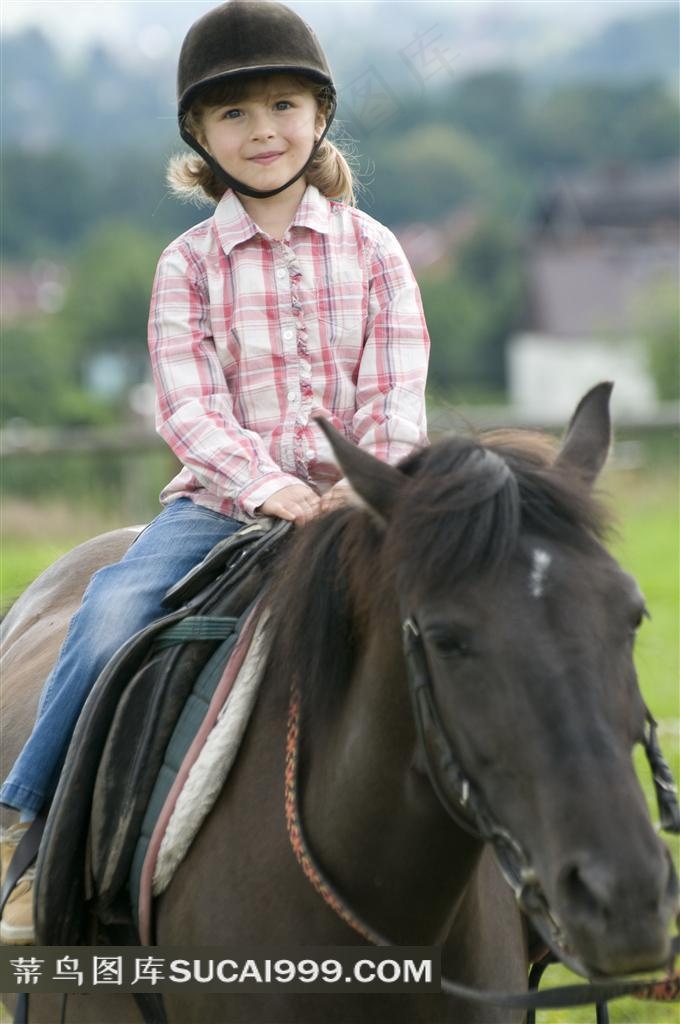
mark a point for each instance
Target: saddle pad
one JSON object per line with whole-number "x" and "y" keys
{"x": 60, "y": 886}
{"x": 198, "y": 759}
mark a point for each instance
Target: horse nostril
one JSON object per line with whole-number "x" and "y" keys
{"x": 581, "y": 895}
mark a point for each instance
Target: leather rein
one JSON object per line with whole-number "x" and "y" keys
{"x": 463, "y": 803}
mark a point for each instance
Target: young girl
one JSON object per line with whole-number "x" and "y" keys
{"x": 287, "y": 303}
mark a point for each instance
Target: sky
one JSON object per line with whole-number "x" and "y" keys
{"x": 157, "y": 26}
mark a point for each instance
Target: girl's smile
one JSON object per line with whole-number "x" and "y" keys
{"x": 266, "y": 158}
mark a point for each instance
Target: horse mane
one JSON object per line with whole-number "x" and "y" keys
{"x": 314, "y": 622}
{"x": 465, "y": 504}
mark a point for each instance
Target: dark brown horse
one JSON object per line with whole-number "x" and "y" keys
{"x": 493, "y": 547}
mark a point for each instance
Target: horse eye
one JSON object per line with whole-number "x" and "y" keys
{"x": 450, "y": 644}
{"x": 638, "y": 618}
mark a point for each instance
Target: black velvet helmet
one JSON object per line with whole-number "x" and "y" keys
{"x": 241, "y": 38}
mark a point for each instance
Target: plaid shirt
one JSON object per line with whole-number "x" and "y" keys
{"x": 250, "y": 337}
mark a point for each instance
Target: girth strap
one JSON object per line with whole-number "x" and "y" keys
{"x": 195, "y": 627}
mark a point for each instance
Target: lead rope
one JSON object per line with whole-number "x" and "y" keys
{"x": 666, "y": 989}
{"x": 298, "y": 841}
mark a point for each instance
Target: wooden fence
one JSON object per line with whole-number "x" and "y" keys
{"x": 23, "y": 440}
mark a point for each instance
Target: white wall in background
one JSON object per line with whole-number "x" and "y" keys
{"x": 547, "y": 375}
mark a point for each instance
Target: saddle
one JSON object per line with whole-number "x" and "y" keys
{"x": 121, "y": 737}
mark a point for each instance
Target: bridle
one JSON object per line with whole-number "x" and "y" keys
{"x": 462, "y": 801}
{"x": 465, "y": 805}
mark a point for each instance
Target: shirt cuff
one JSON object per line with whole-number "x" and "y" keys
{"x": 257, "y": 492}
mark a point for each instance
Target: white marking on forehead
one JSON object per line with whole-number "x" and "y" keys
{"x": 539, "y": 571}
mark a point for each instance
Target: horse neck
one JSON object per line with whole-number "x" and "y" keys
{"x": 372, "y": 816}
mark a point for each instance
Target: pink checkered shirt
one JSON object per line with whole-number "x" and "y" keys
{"x": 251, "y": 337}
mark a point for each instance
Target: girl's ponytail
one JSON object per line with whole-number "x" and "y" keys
{"x": 190, "y": 179}
{"x": 331, "y": 174}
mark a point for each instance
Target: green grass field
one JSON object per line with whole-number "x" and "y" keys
{"x": 647, "y": 544}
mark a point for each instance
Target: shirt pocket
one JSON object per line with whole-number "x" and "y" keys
{"x": 340, "y": 307}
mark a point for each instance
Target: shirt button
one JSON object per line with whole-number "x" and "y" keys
{"x": 280, "y": 273}
{"x": 309, "y": 453}
{"x": 292, "y": 396}
{"x": 287, "y": 334}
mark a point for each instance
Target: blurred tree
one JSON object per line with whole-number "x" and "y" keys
{"x": 33, "y": 81}
{"x": 659, "y": 326}
{"x": 47, "y": 200}
{"x": 107, "y": 307}
{"x": 643, "y": 47}
{"x": 132, "y": 183}
{"x": 472, "y": 310}
{"x": 52, "y": 199}
{"x": 586, "y": 123}
{"x": 491, "y": 106}
{"x": 47, "y": 359}
{"x": 429, "y": 171}
{"x": 41, "y": 380}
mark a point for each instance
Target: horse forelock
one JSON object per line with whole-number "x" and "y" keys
{"x": 555, "y": 503}
{"x": 469, "y": 501}
{"x": 465, "y": 505}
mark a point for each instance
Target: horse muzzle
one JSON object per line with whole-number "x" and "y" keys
{"x": 618, "y": 922}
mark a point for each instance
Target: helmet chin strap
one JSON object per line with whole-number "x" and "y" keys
{"x": 240, "y": 186}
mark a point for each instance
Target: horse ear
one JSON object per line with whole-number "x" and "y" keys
{"x": 376, "y": 482}
{"x": 586, "y": 444}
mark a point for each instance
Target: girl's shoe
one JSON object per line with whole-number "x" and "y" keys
{"x": 16, "y": 927}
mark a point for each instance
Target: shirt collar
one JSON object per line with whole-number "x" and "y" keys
{"x": 313, "y": 212}
{"x": 235, "y": 225}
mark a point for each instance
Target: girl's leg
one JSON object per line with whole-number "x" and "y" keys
{"x": 120, "y": 600}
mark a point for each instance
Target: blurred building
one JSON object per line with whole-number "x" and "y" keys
{"x": 601, "y": 248}
{"x": 31, "y": 291}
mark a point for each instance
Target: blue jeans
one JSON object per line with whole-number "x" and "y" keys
{"x": 120, "y": 600}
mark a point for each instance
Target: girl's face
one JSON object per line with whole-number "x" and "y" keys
{"x": 264, "y": 139}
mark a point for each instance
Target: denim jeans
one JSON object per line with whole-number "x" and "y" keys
{"x": 120, "y": 600}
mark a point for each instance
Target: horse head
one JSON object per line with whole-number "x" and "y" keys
{"x": 528, "y": 627}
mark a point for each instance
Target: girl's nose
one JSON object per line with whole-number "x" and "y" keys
{"x": 262, "y": 127}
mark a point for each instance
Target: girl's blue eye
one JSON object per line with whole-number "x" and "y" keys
{"x": 283, "y": 104}
{"x": 228, "y": 114}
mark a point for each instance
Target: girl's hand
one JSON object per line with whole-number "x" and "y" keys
{"x": 297, "y": 503}
{"x": 340, "y": 494}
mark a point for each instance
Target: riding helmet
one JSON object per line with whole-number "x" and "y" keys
{"x": 248, "y": 37}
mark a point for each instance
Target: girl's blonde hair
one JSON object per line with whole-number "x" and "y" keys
{"x": 189, "y": 177}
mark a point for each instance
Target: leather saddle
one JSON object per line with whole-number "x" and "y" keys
{"x": 120, "y": 739}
